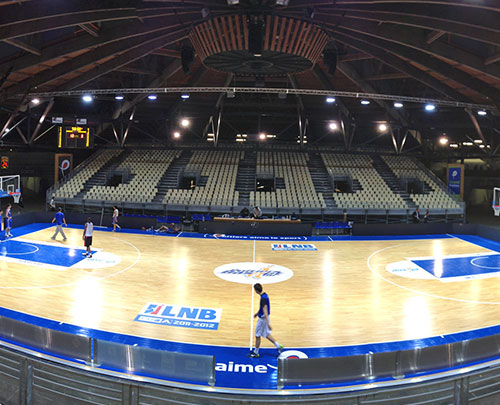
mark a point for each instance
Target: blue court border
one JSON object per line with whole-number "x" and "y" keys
{"x": 226, "y": 354}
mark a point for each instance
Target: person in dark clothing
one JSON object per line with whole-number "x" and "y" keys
{"x": 426, "y": 216}
{"x": 416, "y": 216}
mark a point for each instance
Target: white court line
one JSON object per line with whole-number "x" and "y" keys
{"x": 76, "y": 282}
{"x": 21, "y": 253}
{"x": 251, "y": 306}
{"x": 417, "y": 291}
{"x": 179, "y": 234}
{"x": 458, "y": 256}
{"x": 468, "y": 241}
{"x": 53, "y": 244}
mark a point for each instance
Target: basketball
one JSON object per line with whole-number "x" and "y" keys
{"x": 143, "y": 228}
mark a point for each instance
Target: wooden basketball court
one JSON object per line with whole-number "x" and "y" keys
{"x": 340, "y": 294}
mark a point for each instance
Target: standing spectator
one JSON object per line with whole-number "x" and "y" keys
{"x": 416, "y": 216}
{"x": 257, "y": 212}
{"x": 52, "y": 204}
{"x": 59, "y": 220}
{"x": 426, "y": 216}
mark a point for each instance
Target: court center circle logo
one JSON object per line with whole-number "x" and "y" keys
{"x": 251, "y": 273}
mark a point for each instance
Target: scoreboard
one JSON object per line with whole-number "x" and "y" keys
{"x": 75, "y": 137}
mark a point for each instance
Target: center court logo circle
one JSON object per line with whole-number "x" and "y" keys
{"x": 251, "y": 273}
{"x": 293, "y": 354}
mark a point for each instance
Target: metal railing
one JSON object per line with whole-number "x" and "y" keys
{"x": 395, "y": 365}
{"x": 101, "y": 355}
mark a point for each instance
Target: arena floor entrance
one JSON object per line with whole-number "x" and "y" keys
{"x": 193, "y": 293}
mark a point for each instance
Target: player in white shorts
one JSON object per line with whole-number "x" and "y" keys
{"x": 263, "y": 328}
{"x": 115, "y": 219}
{"x": 88, "y": 231}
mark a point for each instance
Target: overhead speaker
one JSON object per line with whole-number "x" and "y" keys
{"x": 330, "y": 60}
{"x": 187, "y": 58}
{"x": 255, "y": 36}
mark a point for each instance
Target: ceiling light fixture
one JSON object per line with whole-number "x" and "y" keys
{"x": 398, "y": 104}
{"x": 365, "y": 102}
{"x": 330, "y": 99}
{"x": 87, "y": 98}
{"x": 152, "y": 97}
{"x": 430, "y": 107}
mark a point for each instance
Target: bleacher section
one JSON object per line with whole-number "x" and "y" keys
{"x": 299, "y": 191}
{"x": 374, "y": 193}
{"x": 76, "y": 183}
{"x": 435, "y": 198}
{"x": 220, "y": 169}
{"x": 318, "y": 183}
{"x": 145, "y": 168}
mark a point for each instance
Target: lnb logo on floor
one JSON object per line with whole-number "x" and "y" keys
{"x": 180, "y": 316}
{"x": 294, "y": 246}
{"x": 251, "y": 273}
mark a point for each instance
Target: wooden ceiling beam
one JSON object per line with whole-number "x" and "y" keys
{"x": 23, "y": 45}
{"x": 438, "y": 23}
{"x": 112, "y": 32}
{"x": 400, "y": 65}
{"x": 126, "y": 58}
{"x": 492, "y": 59}
{"x": 23, "y": 28}
{"x": 387, "y": 76}
{"x": 433, "y": 64}
{"x": 171, "y": 53}
{"x": 433, "y": 36}
{"x": 130, "y": 69}
{"x": 415, "y": 38}
{"x": 90, "y": 29}
{"x": 492, "y": 5}
{"x": 350, "y": 57}
{"x": 87, "y": 59}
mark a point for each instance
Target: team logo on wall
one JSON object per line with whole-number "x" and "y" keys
{"x": 251, "y": 273}
{"x": 180, "y": 316}
{"x": 293, "y": 247}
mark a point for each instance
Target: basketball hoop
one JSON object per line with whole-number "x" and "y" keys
{"x": 17, "y": 197}
{"x": 496, "y": 201}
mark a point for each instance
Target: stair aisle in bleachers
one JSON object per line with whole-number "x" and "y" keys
{"x": 170, "y": 179}
{"x": 320, "y": 178}
{"x": 99, "y": 178}
{"x": 391, "y": 180}
{"x": 245, "y": 178}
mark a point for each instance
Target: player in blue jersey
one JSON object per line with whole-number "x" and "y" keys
{"x": 7, "y": 221}
{"x": 59, "y": 220}
{"x": 263, "y": 328}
